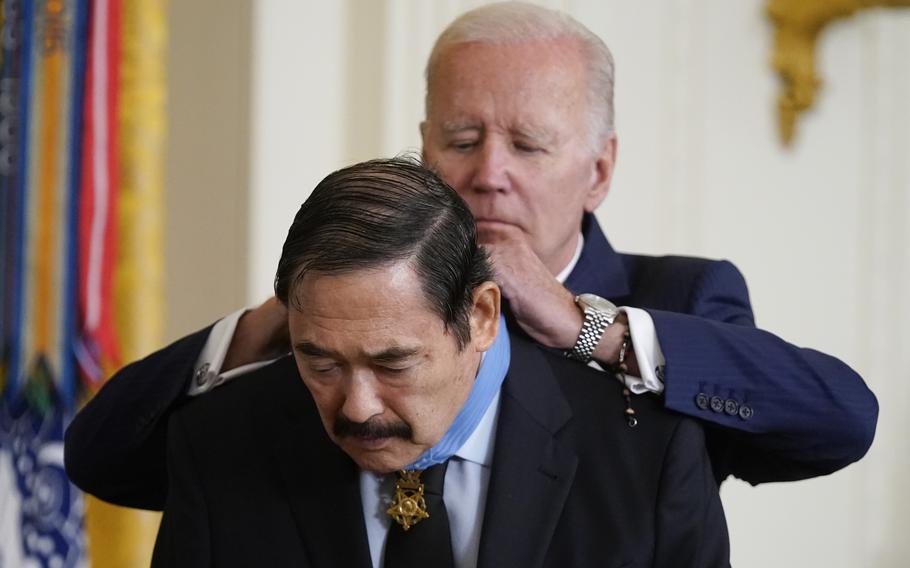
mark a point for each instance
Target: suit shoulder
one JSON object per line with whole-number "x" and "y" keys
{"x": 644, "y": 267}
{"x": 223, "y": 408}
{"x": 679, "y": 283}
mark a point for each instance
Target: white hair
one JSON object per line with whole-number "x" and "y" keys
{"x": 519, "y": 22}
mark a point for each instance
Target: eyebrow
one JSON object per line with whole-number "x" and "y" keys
{"x": 537, "y": 134}
{"x": 534, "y": 133}
{"x": 390, "y": 355}
{"x": 394, "y": 354}
{"x": 312, "y": 350}
{"x": 453, "y": 127}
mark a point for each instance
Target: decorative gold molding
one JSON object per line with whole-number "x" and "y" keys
{"x": 798, "y": 24}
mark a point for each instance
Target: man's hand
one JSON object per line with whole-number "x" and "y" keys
{"x": 543, "y": 307}
{"x": 261, "y": 334}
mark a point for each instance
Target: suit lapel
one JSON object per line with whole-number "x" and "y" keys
{"x": 600, "y": 269}
{"x": 532, "y": 472}
{"x": 320, "y": 481}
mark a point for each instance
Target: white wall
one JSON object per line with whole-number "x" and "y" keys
{"x": 208, "y": 106}
{"x": 818, "y": 229}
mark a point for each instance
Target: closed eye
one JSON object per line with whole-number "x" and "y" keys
{"x": 526, "y": 148}
{"x": 321, "y": 365}
{"x": 463, "y": 145}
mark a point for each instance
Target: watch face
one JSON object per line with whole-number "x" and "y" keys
{"x": 598, "y": 303}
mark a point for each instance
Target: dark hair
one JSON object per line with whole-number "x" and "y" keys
{"x": 385, "y": 211}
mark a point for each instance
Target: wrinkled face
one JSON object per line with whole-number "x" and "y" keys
{"x": 387, "y": 377}
{"x": 506, "y": 127}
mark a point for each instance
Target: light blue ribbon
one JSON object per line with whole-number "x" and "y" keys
{"x": 489, "y": 378}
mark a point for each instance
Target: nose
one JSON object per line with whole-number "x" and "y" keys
{"x": 492, "y": 168}
{"x": 362, "y": 401}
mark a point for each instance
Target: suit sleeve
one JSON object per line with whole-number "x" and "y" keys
{"x": 779, "y": 412}
{"x": 183, "y": 536}
{"x": 115, "y": 447}
{"x": 691, "y": 528}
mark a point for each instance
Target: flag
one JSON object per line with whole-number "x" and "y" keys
{"x": 120, "y": 538}
{"x": 81, "y": 152}
{"x": 41, "y": 513}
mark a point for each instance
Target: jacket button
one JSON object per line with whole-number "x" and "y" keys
{"x": 701, "y": 401}
{"x": 717, "y": 404}
{"x": 745, "y": 412}
{"x": 731, "y": 407}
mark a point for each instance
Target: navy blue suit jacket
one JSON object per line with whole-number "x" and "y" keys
{"x": 775, "y": 412}
{"x": 810, "y": 413}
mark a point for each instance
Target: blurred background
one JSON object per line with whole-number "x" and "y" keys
{"x": 264, "y": 98}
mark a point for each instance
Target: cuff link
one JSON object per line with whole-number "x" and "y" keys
{"x": 204, "y": 378}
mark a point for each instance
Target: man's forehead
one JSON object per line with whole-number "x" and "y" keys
{"x": 377, "y": 336}
{"x": 477, "y": 80}
{"x": 484, "y": 61}
{"x": 376, "y": 300}
{"x": 388, "y": 350}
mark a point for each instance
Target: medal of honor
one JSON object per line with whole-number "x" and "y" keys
{"x": 408, "y": 506}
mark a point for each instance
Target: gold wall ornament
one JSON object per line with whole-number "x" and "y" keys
{"x": 798, "y": 24}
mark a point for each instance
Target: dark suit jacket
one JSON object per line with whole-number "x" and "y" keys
{"x": 810, "y": 413}
{"x": 255, "y": 481}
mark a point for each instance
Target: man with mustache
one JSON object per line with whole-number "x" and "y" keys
{"x": 519, "y": 121}
{"x": 423, "y": 433}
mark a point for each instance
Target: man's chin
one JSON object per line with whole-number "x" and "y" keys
{"x": 494, "y": 227}
{"x": 383, "y": 455}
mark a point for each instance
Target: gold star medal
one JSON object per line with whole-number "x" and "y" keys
{"x": 408, "y": 506}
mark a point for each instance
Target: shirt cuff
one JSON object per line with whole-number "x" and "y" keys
{"x": 648, "y": 354}
{"x": 207, "y": 370}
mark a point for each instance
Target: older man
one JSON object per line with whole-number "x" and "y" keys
{"x": 519, "y": 120}
{"x": 507, "y": 453}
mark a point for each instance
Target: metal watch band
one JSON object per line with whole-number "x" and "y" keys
{"x": 592, "y": 330}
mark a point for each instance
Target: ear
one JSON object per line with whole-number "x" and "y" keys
{"x": 604, "y": 162}
{"x": 485, "y": 316}
{"x": 424, "y": 134}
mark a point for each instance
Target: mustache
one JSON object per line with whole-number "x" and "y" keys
{"x": 371, "y": 429}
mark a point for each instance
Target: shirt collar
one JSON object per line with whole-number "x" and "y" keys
{"x": 564, "y": 273}
{"x": 478, "y": 448}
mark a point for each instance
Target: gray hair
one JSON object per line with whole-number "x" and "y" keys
{"x": 518, "y": 22}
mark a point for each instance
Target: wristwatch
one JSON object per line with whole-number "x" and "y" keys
{"x": 599, "y": 314}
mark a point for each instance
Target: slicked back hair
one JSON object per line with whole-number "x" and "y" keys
{"x": 381, "y": 212}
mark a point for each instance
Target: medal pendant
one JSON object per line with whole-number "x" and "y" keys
{"x": 408, "y": 506}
